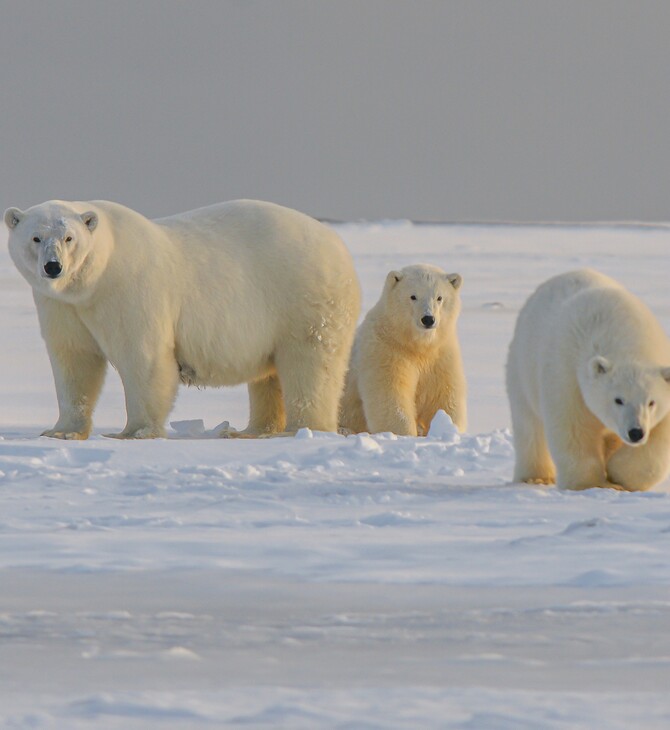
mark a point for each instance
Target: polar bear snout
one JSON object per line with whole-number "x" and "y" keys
{"x": 428, "y": 321}
{"x": 635, "y": 435}
{"x": 53, "y": 269}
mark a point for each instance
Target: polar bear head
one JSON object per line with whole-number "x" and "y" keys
{"x": 628, "y": 398}
{"x": 51, "y": 245}
{"x": 419, "y": 299}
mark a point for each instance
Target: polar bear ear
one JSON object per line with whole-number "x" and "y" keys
{"x": 665, "y": 374}
{"x": 393, "y": 278}
{"x": 599, "y": 365}
{"x": 90, "y": 220}
{"x": 455, "y": 280}
{"x": 13, "y": 216}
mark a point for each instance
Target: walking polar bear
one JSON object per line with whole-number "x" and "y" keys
{"x": 406, "y": 360}
{"x": 588, "y": 378}
{"x": 243, "y": 291}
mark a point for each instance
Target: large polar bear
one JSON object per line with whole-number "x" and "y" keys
{"x": 243, "y": 291}
{"x": 589, "y": 386}
{"x": 406, "y": 360}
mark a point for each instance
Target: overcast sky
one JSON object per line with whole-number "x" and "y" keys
{"x": 347, "y": 109}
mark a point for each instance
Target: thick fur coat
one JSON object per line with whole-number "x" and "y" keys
{"x": 241, "y": 292}
{"x": 588, "y": 382}
{"x": 406, "y": 360}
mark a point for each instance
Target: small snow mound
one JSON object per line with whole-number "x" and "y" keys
{"x": 365, "y": 442}
{"x": 195, "y": 427}
{"x": 181, "y": 652}
{"x": 597, "y": 578}
{"x": 305, "y": 433}
{"x": 442, "y": 428}
{"x": 586, "y": 525}
{"x": 392, "y": 519}
{"x": 381, "y": 226}
{"x": 136, "y": 706}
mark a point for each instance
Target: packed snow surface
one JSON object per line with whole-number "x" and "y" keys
{"x": 323, "y": 581}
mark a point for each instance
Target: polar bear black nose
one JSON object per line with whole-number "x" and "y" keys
{"x": 427, "y": 321}
{"x": 635, "y": 435}
{"x": 52, "y": 269}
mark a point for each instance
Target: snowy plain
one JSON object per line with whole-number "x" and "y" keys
{"x": 323, "y": 581}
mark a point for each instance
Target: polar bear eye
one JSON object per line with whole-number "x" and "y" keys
{"x": 439, "y": 299}
{"x": 68, "y": 239}
{"x": 413, "y": 297}
{"x": 618, "y": 401}
{"x": 652, "y": 403}
{"x": 37, "y": 239}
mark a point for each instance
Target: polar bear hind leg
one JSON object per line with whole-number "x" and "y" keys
{"x": 267, "y": 415}
{"x": 266, "y": 407}
{"x": 533, "y": 463}
{"x": 311, "y": 378}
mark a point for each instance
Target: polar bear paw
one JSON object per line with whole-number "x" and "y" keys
{"x": 145, "y": 432}
{"x": 55, "y": 433}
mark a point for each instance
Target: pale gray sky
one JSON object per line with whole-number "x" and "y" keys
{"x": 439, "y": 110}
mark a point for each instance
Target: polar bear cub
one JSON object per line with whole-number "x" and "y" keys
{"x": 588, "y": 379}
{"x": 406, "y": 361}
{"x": 240, "y": 292}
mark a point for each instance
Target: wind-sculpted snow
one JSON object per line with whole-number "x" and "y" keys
{"x": 333, "y": 508}
{"x": 325, "y": 581}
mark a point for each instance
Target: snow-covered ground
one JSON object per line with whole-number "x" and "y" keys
{"x": 323, "y": 581}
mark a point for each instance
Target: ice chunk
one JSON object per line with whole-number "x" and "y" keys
{"x": 195, "y": 427}
{"x": 442, "y": 428}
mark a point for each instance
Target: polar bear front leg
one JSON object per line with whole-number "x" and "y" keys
{"x": 150, "y": 386}
{"x": 575, "y": 438}
{"x": 578, "y": 453}
{"x": 444, "y": 388}
{"x": 78, "y": 368}
{"x": 638, "y": 468}
{"x": 388, "y": 393}
{"x": 78, "y": 377}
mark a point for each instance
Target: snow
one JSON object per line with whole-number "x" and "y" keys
{"x": 323, "y": 581}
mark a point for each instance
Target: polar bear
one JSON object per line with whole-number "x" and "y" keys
{"x": 589, "y": 386}
{"x": 239, "y": 292}
{"x": 406, "y": 360}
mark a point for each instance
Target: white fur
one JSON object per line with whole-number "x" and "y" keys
{"x": 239, "y": 292}
{"x": 581, "y": 343}
{"x": 402, "y": 373}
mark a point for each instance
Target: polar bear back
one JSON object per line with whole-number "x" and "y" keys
{"x": 240, "y": 276}
{"x": 262, "y": 235}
